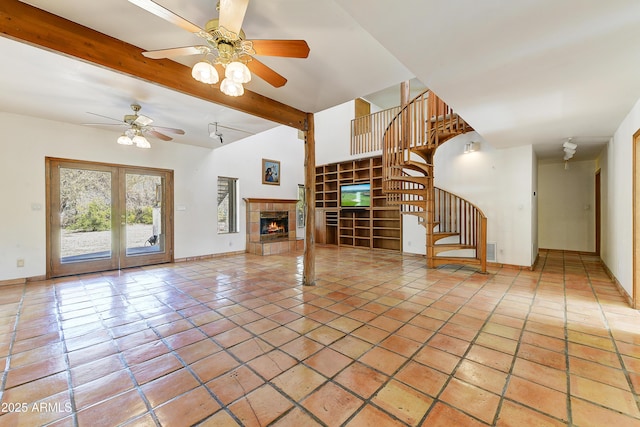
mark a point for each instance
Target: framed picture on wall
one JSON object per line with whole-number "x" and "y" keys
{"x": 270, "y": 172}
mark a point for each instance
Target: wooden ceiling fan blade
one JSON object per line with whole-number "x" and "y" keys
{"x": 266, "y": 73}
{"x": 170, "y": 130}
{"x": 158, "y": 135}
{"x": 161, "y": 12}
{"x": 176, "y": 51}
{"x": 286, "y": 48}
{"x": 232, "y": 14}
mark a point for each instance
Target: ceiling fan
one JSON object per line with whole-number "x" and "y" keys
{"x": 138, "y": 126}
{"x": 226, "y": 52}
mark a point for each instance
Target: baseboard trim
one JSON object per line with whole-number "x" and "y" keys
{"x": 621, "y": 289}
{"x": 208, "y": 256}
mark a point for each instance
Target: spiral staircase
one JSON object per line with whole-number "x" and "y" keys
{"x": 456, "y": 230}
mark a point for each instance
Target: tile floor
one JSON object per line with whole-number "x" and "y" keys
{"x": 380, "y": 340}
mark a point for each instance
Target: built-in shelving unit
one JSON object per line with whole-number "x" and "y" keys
{"x": 377, "y": 227}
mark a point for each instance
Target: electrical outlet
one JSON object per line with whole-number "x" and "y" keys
{"x": 20, "y": 262}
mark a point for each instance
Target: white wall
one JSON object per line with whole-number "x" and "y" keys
{"x": 617, "y": 196}
{"x": 566, "y": 211}
{"x": 500, "y": 183}
{"x": 27, "y": 141}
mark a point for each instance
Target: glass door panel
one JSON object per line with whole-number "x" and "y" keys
{"x": 142, "y": 221}
{"x": 82, "y": 219}
{"x": 105, "y": 217}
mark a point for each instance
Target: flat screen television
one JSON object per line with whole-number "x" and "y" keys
{"x": 355, "y": 195}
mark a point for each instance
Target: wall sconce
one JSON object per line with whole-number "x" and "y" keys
{"x": 470, "y": 147}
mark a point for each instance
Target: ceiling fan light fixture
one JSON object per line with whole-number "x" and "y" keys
{"x": 141, "y": 141}
{"x": 238, "y": 72}
{"x": 125, "y": 140}
{"x": 231, "y": 88}
{"x": 204, "y": 72}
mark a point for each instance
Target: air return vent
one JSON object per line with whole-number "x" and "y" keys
{"x": 492, "y": 252}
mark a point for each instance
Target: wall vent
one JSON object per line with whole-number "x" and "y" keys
{"x": 492, "y": 252}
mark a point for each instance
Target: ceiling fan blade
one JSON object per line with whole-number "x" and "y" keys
{"x": 165, "y": 129}
{"x": 266, "y": 73}
{"x": 161, "y": 12}
{"x": 106, "y": 117}
{"x": 143, "y": 120}
{"x": 158, "y": 135}
{"x": 232, "y": 14}
{"x": 286, "y": 48}
{"x": 176, "y": 51}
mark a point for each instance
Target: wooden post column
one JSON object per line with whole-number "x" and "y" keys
{"x": 309, "y": 261}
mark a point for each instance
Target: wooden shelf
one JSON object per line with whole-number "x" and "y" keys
{"x": 379, "y": 226}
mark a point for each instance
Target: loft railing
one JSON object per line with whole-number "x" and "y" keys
{"x": 367, "y": 131}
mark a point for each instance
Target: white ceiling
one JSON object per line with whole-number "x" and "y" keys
{"x": 520, "y": 72}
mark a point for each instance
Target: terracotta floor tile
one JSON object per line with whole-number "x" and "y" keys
{"x": 590, "y": 414}
{"x": 402, "y": 344}
{"x": 113, "y": 411}
{"x": 213, "y": 366}
{"x": 199, "y": 350}
{"x": 372, "y": 416}
{"x": 515, "y": 415}
{"x": 101, "y": 389}
{"x": 155, "y": 368}
{"x": 301, "y": 348}
{"x": 437, "y": 359}
{"x": 250, "y": 349}
{"x": 492, "y": 358}
{"x": 234, "y": 384}
{"x": 540, "y": 374}
{"x": 260, "y": 407}
{"x": 543, "y": 399}
{"x": 351, "y": 346}
{"x": 332, "y": 404}
{"x": 403, "y": 402}
{"x": 422, "y": 378}
{"x": 445, "y": 416}
{"x": 482, "y": 376}
{"x": 296, "y": 418}
{"x": 169, "y": 386}
{"x": 325, "y": 335}
{"x": 328, "y": 362}
{"x": 188, "y": 408}
{"x": 383, "y": 360}
{"x": 361, "y": 379}
{"x": 298, "y": 381}
{"x": 605, "y": 395}
{"x": 471, "y": 399}
{"x": 272, "y": 364}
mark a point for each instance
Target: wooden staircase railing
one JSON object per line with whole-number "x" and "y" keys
{"x": 410, "y": 140}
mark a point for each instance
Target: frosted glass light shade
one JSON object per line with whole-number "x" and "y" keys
{"x": 125, "y": 140}
{"x": 141, "y": 141}
{"x": 238, "y": 72}
{"x": 205, "y": 72}
{"x": 231, "y": 88}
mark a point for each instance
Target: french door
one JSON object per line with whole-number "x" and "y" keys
{"x": 106, "y": 217}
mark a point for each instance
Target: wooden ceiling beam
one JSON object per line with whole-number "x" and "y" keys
{"x": 39, "y": 28}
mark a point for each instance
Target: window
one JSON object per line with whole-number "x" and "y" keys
{"x": 227, "y": 205}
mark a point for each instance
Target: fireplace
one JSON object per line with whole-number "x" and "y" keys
{"x": 274, "y": 225}
{"x": 271, "y": 226}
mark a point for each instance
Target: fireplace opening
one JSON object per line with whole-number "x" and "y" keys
{"x": 274, "y": 225}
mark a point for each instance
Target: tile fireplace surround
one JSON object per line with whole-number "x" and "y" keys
{"x": 271, "y": 247}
